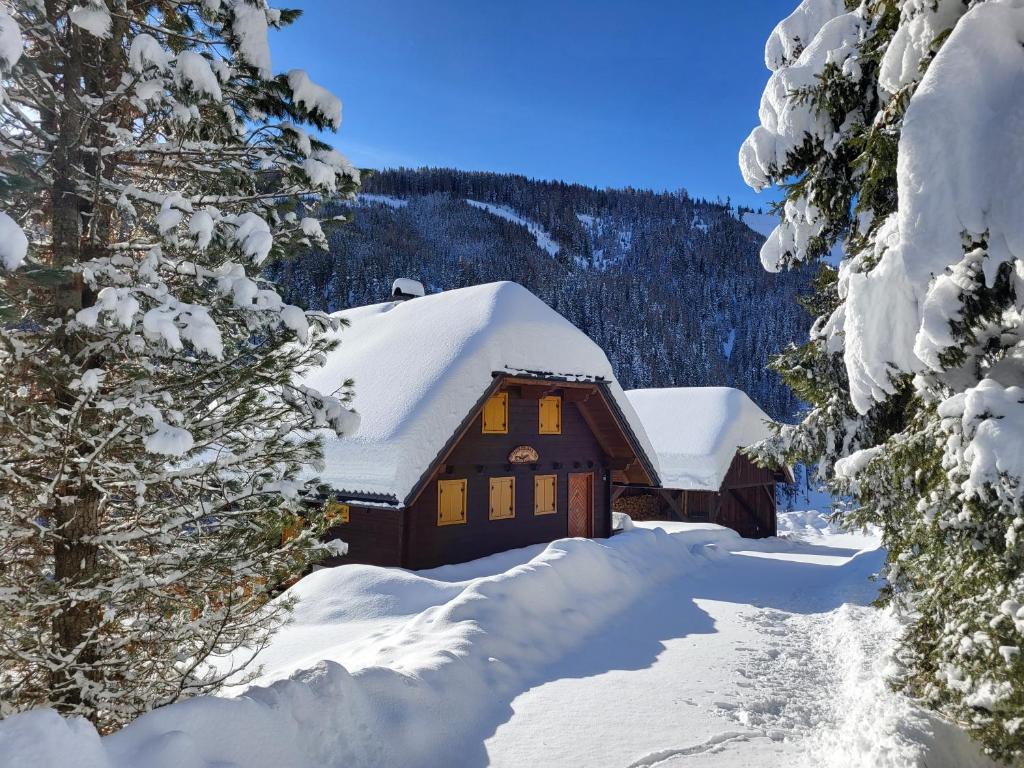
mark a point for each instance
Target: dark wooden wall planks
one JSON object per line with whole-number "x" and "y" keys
{"x": 477, "y": 458}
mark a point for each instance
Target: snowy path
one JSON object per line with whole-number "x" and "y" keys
{"x": 714, "y": 667}
{"x": 766, "y": 658}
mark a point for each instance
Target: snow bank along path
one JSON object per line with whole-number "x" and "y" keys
{"x": 444, "y": 679}
{"x": 670, "y": 644}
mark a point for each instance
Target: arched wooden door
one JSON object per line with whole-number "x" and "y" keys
{"x": 581, "y": 504}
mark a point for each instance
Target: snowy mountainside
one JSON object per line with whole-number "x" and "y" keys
{"x": 670, "y": 286}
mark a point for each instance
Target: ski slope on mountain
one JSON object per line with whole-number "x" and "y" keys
{"x": 669, "y": 644}
{"x": 544, "y": 240}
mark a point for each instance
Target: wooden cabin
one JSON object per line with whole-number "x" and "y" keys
{"x": 487, "y": 422}
{"x": 696, "y": 433}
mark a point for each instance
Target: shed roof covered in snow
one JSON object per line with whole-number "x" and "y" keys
{"x": 420, "y": 366}
{"x": 696, "y": 431}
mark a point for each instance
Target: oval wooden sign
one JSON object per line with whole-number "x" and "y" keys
{"x": 523, "y": 454}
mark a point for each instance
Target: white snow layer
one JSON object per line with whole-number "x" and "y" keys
{"x": 146, "y": 52}
{"x": 466, "y": 644}
{"x": 901, "y": 64}
{"x": 795, "y": 32}
{"x": 250, "y": 27}
{"x": 315, "y": 98}
{"x": 767, "y": 224}
{"x": 730, "y": 652}
{"x": 93, "y": 18}
{"x": 786, "y": 123}
{"x": 11, "y": 42}
{"x": 194, "y": 70}
{"x": 818, "y": 32}
{"x": 420, "y": 366}
{"x": 955, "y": 177}
{"x": 696, "y": 431}
{"x": 13, "y": 243}
{"x": 544, "y": 240}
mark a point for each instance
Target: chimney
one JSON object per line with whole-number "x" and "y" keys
{"x": 404, "y": 289}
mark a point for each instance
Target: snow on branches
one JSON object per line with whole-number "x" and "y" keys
{"x": 13, "y": 243}
{"x": 154, "y": 447}
{"x": 895, "y": 129}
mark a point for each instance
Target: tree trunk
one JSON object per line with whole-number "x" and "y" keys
{"x": 75, "y": 516}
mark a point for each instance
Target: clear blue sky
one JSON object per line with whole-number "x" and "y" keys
{"x": 643, "y": 93}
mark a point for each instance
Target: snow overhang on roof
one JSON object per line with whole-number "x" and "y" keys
{"x": 696, "y": 431}
{"x": 420, "y": 366}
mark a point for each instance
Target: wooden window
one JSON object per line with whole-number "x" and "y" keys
{"x": 551, "y": 415}
{"x": 503, "y": 498}
{"x": 451, "y": 502}
{"x": 545, "y": 494}
{"x": 496, "y": 414}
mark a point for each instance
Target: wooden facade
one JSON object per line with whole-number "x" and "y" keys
{"x": 534, "y": 462}
{"x": 745, "y": 502}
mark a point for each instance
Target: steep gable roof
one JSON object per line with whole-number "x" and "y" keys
{"x": 696, "y": 431}
{"x": 421, "y": 366}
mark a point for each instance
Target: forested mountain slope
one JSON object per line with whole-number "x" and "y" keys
{"x": 670, "y": 286}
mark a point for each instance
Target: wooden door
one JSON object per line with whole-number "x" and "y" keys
{"x": 581, "y": 504}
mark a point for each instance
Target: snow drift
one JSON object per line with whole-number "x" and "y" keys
{"x": 482, "y": 642}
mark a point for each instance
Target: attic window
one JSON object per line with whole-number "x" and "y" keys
{"x": 503, "y": 498}
{"x": 550, "y": 410}
{"x": 451, "y": 502}
{"x": 495, "y": 420}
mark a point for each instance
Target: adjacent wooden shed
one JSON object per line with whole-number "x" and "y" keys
{"x": 488, "y": 422}
{"x": 697, "y": 433}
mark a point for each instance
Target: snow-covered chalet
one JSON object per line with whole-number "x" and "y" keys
{"x": 697, "y": 433}
{"x": 487, "y": 421}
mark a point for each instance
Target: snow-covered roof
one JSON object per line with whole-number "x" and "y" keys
{"x": 420, "y": 367}
{"x": 697, "y": 430}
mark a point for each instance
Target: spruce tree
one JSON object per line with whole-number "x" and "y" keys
{"x": 893, "y": 129}
{"x": 153, "y": 445}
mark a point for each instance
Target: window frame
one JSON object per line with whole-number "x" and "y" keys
{"x": 490, "y": 497}
{"x": 462, "y": 485}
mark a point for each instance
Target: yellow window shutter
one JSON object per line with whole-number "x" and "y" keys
{"x": 495, "y": 417}
{"x": 291, "y": 529}
{"x": 451, "y": 502}
{"x": 544, "y": 494}
{"x": 336, "y": 512}
{"x": 502, "y": 498}
{"x": 550, "y": 415}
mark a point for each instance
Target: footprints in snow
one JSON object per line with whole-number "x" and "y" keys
{"x": 787, "y": 682}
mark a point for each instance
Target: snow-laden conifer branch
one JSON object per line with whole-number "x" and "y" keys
{"x": 894, "y": 129}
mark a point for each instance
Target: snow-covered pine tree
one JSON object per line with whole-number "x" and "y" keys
{"x": 895, "y": 127}
{"x": 151, "y": 439}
